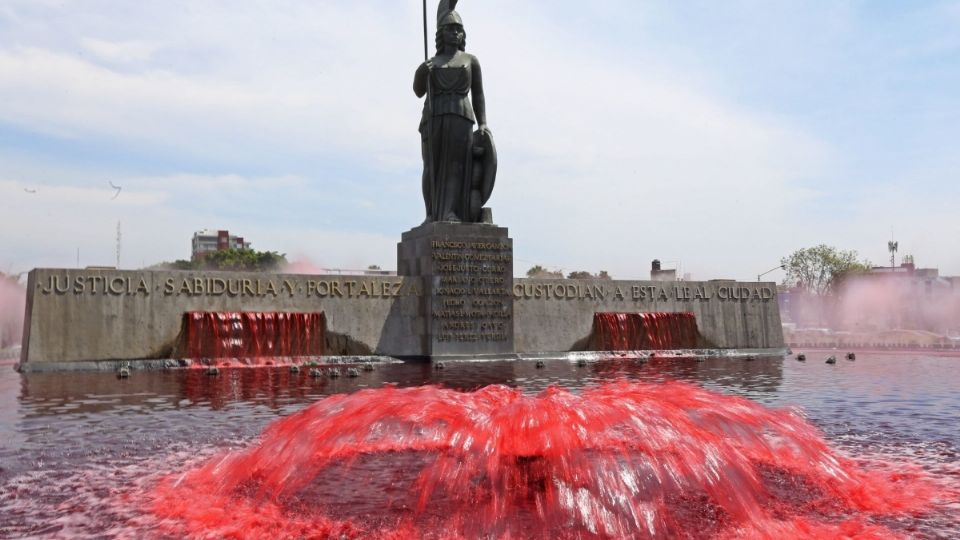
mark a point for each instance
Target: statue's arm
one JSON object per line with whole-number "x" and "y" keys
{"x": 420, "y": 80}
{"x": 479, "y": 102}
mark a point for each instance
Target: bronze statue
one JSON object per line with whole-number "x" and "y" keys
{"x": 459, "y": 164}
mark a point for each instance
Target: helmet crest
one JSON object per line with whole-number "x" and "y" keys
{"x": 447, "y": 15}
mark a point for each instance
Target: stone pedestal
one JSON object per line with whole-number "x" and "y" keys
{"x": 467, "y": 272}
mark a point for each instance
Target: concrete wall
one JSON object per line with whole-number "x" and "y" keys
{"x": 554, "y": 315}
{"x": 77, "y": 315}
{"x": 92, "y": 315}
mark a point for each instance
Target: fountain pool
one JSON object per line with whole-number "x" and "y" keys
{"x": 722, "y": 448}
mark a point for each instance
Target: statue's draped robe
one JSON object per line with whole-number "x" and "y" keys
{"x": 447, "y": 137}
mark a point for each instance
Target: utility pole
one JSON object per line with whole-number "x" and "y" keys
{"x": 760, "y": 276}
{"x": 119, "y": 236}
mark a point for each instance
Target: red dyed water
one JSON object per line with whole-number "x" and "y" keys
{"x": 644, "y": 331}
{"x": 622, "y": 460}
{"x": 251, "y": 335}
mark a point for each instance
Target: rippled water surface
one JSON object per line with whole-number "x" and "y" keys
{"x": 73, "y": 446}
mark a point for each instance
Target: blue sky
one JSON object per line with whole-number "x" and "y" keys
{"x": 718, "y": 136}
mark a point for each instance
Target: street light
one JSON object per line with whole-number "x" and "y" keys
{"x": 781, "y": 267}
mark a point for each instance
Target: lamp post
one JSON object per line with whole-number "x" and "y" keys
{"x": 781, "y": 267}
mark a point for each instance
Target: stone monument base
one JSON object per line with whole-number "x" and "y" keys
{"x": 87, "y": 319}
{"x": 467, "y": 274}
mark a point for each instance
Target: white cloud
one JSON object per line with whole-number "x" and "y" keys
{"x": 608, "y": 159}
{"x": 610, "y": 165}
{"x": 886, "y": 213}
{"x": 87, "y": 198}
{"x": 126, "y": 52}
{"x": 48, "y": 223}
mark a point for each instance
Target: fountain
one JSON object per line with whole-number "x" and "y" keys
{"x": 613, "y": 447}
{"x": 454, "y": 296}
{"x": 620, "y": 460}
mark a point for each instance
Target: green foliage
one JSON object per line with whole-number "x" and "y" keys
{"x": 581, "y": 274}
{"x": 233, "y": 260}
{"x": 540, "y": 272}
{"x": 821, "y": 269}
{"x": 243, "y": 259}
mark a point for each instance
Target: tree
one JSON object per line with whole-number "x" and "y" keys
{"x": 180, "y": 264}
{"x": 235, "y": 260}
{"x": 535, "y": 270}
{"x": 821, "y": 269}
{"x": 539, "y": 272}
{"x": 243, "y": 259}
{"x": 542, "y": 273}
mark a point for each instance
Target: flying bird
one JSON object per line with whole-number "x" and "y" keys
{"x": 31, "y": 191}
{"x": 118, "y": 188}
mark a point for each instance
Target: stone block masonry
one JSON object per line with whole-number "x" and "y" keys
{"x": 467, "y": 272}
{"x": 557, "y": 314}
{"x": 95, "y": 315}
{"x": 75, "y": 316}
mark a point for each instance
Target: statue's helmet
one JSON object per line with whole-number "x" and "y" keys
{"x": 446, "y": 14}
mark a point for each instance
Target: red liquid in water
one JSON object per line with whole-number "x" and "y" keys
{"x": 622, "y": 460}
{"x": 644, "y": 331}
{"x": 251, "y": 335}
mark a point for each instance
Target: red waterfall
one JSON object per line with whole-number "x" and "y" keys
{"x": 644, "y": 331}
{"x": 251, "y": 334}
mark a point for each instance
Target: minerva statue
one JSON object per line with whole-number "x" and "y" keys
{"x": 459, "y": 164}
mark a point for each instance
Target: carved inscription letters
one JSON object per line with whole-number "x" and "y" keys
{"x": 471, "y": 299}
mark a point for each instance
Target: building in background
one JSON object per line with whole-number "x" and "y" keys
{"x": 900, "y": 297}
{"x": 658, "y": 273}
{"x": 208, "y": 241}
{"x": 887, "y": 304}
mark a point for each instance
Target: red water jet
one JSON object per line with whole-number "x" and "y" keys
{"x": 621, "y": 460}
{"x": 251, "y": 335}
{"x": 644, "y": 331}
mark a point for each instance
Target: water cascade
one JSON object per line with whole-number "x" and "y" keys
{"x": 621, "y": 460}
{"x": 644, "y": 331}
{"x": 251, "y": 335}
